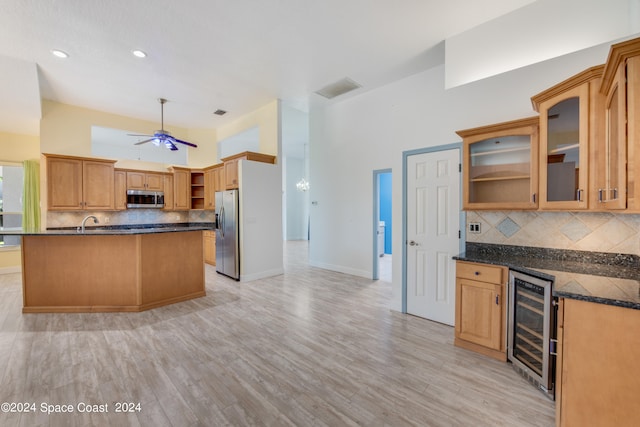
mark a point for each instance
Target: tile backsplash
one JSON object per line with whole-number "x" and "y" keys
{"x": 584, "y": 231}
{"x": 130, "y": 216}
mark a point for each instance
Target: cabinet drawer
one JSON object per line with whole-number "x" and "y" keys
{"x": 480, "y": 272}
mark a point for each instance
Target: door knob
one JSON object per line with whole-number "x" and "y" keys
{"x": 413, "y": 243}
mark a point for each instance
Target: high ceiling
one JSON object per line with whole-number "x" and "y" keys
{"x": 205, "y": 55}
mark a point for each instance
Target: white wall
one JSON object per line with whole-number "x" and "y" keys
{"x": 261, "y": 248}
{"x": 352, "y": 138}
{"x": 535, "y": 34}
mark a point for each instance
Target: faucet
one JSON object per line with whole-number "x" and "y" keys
{"x": 84, "y": 221}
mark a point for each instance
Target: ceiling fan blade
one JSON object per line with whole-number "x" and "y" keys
{"x": 162, "y": 136}
{"x": 137, "y": 134}
{"x": 185, "y": 142}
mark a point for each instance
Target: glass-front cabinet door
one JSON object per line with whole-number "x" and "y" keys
{"x": 500, "y": 165}
{"x": 612, "y": 180}
{"x": 621, "y": 87}
{"x": 564, "y": 138}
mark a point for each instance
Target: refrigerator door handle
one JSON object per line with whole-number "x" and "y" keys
{"x": 222, "y": 221}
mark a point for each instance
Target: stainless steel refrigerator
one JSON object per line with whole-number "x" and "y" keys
{"x": 227, "y": 234}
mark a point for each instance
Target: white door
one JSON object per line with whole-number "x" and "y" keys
{"x": 433, "y": 224}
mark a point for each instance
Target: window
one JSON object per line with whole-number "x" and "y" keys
{"x": 11, "y": 178}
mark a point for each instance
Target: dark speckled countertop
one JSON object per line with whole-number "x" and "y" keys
{"x": 116, "y": 229}
{"x": 599, "y": 277}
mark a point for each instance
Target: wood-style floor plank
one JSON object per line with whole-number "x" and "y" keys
{"x": 308, "y": 348}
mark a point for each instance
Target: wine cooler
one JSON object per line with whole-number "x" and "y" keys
{"x": 531, "y": 334}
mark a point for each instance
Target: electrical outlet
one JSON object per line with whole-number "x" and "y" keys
{"x": 474, "y": 227}
{"x": 106, "y": 220}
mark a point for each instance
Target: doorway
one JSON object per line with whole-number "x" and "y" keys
{"x": 431, "y": 231}
{"x": 382, "y": 229}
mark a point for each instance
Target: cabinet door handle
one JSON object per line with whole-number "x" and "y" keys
{"x": 615, "y": 194}
{"x": 600, "y": 195}
{"x": 497, "y": 299}
{"x": 533, "y": 197}
{"x": 579, "y": 194}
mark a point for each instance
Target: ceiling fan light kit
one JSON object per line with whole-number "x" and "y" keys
{"x": 163, "y": 137}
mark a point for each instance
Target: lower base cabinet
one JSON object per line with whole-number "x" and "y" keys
{"x": 598, "y": 365}
{"x": 209, "y": 239}
{"x": 480, "y": 323}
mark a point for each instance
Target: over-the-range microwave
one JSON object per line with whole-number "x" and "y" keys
{"x": 145, "y": 199}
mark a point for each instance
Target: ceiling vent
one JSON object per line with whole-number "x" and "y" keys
{"x": 338, "y": 88}
{"x": 220, "y": 112}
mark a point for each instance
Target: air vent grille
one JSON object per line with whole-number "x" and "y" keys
{"x": 338, "y": 88}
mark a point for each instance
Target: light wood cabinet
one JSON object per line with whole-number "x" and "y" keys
{"x": 212, "y": 184}
{"x": 209, "y": 189}
{"x": 167, "y": 180}
{"x": 231, "y": 174}
{"x": 209, "y": 247}
{"x": 220, "y": 183}
{"x": 120, "y": 189}
{"x": 500, "y": 165}
{"x": 181, "y": 188}
{"x": 126, "y": 272}
{"x": 140, "y": 180}
{"x": 611, "y": 153}
{"x": 571, "y": 118}
{"x": 480, "y": 323}
{"x": 231, "y": 166}
{"x": 597, "y": 371}
{"x": 197, "y": 189}
{"x": 75, "y": 183}
{"x": 621, "y": 87}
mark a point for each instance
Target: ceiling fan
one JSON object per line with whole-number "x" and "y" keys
{"x": 163, "y": 137}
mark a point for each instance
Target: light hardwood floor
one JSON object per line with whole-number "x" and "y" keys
{"x": 311, "y": 347}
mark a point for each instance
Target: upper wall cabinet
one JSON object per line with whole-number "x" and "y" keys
{"x": 181, "y": 188}
{"x": 571, "y": 117}
{"x": 141, "y": 180}
{"x": 231, "y": 177}
{"x": 120, "y": 189}
{"x": 212, "y": 177}
{"x": 621, "y": 87}
{"x": 500, "y": 165}
{"x": 75, "y": 183}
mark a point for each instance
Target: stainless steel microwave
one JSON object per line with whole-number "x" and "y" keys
{"x": 145, "y": 199}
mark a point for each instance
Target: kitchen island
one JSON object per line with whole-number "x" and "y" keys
{"x": 111, "y": 270}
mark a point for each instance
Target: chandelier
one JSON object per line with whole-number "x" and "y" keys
{"x": 302, "y": 185}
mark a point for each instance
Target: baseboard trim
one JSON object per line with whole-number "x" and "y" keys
{"x": 342, "y": 269}
{"x": 10, "y": 270}
{"x": 261, "y": 275}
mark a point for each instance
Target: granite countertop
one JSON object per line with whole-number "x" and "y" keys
{"x": 115, "y": 229}
{"x": 599, "y": 277}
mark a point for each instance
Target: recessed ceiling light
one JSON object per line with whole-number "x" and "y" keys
{"x": 220, "y": 112}
{"x": 139, "y": 53}
{"x": 59, "y": 53}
